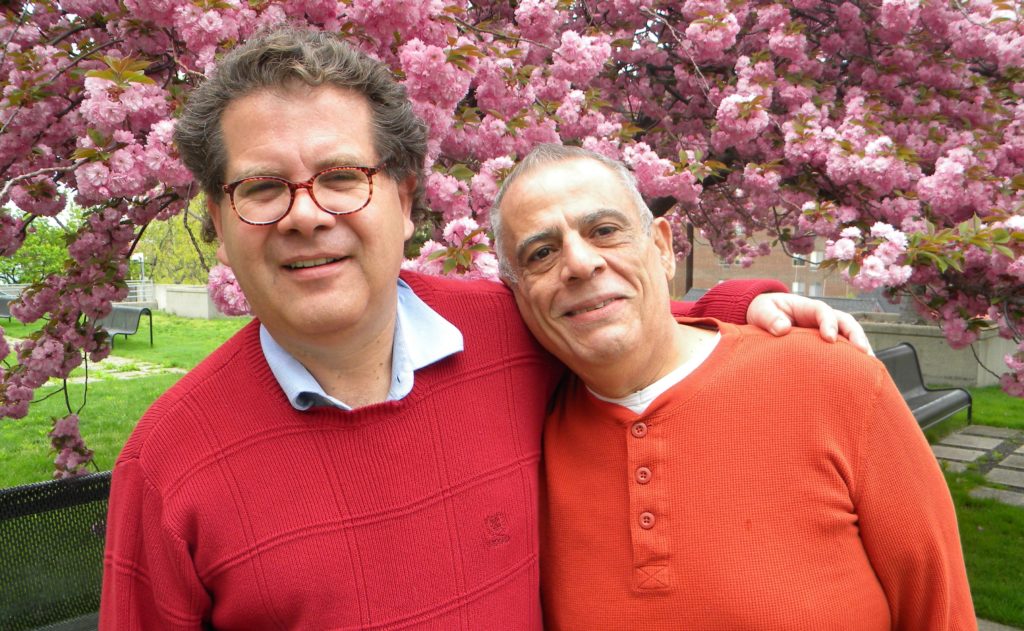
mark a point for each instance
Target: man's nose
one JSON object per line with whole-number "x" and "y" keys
{"x": 580, "y": 259}
{"x": 305, "y": 216}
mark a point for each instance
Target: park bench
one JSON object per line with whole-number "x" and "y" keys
{"x": 124, "y": 320}
{"x": 929, "y": 405}
{"x": 5, "y": 305}
{"x": 51, "y": 553}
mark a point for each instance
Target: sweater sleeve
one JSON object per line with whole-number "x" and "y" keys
{"x": 907, "y": 519}
{"x": 149, "y": 581}
{"x": 728, "y": 301}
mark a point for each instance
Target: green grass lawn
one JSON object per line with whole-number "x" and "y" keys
{"x": 113, "y": 406}
{"x": 992, "y": 533}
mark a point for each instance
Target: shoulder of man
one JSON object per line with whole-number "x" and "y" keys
{"x": 483, "y": 310}
{"x": 802, "y": 354}
{"x": 219, "y": 378}
{"x": 455, "y": 297}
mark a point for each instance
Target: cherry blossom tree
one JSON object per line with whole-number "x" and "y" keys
{"x": 892, "y": 129}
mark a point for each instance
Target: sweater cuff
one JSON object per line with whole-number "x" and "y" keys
{"x": 728, "y": 301}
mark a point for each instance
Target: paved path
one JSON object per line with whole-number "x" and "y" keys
{"x": 985, "y": 625}
{"x": 114, "y": 367}
{"x": 998, "y": 454}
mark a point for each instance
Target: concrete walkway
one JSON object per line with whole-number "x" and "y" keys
{"x": 999, "y": 456}
{"x": 114, "y": 367}
{"x": 985, "y": 625}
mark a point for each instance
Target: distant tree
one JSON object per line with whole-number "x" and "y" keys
{"x": 174, "y": 251}
{"x": 43, "y": 253}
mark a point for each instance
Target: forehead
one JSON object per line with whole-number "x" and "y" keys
{"x": 321, "y": 126}
{"x": 563, "y": 191}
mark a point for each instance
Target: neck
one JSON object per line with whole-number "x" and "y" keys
{"x": 355, "y": 372}
{"x": 619, "y": 378}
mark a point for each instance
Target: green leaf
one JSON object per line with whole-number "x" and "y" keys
{"x": 461, "y": 172}
{"x": 102, "y": 74}
{"x": 1000, "y": 235}
{"x": 1005, "y": 251}
{"x": 96, "y": 137}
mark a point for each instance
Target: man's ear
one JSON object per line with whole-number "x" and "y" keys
{"x": 214, "y": 208}
{"x": 661, "y": 231}
{"x": 406, "y": 192}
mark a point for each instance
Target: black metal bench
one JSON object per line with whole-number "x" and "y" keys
{"x": 5, "y": 305}
{"x": 124, "y": 320}
{"x": 929, "y": 405}
{"x": 51, "y": 553}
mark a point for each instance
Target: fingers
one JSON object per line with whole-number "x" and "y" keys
{"x": 853, "y": 331}
{"x": 828, "y": 324}
{"x": 807, "y": 312}
{"x": 780, "y": 325}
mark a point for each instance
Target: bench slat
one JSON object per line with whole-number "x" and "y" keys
{"x": 929, "y": 405}
{"x": 124, "y": 320}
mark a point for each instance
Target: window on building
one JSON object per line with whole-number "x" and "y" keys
{"x": 817, "y": 257}
{"x": 799, "y": 260}
{"x": 814, "y": 290}
{"x": 798, "y": 287}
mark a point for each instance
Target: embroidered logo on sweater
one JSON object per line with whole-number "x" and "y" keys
{"x": 496, "y": 527}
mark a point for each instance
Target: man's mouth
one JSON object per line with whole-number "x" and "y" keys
{"x": 311, "y": 263}
{"x": 594, "y": 307}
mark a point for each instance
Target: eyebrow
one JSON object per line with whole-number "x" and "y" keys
{"x": 528, "y": 242}
{"x": 337, "y": 160}
{"x": 551, "y": 233}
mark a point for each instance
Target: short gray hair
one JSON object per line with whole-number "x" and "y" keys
{"x": 279, "y": 58}
{"x": 550, "y": 153}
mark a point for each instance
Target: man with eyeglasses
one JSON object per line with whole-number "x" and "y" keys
{"x": 365, "y": 453}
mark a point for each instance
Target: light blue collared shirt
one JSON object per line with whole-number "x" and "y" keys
{"x": 422, "y": 337}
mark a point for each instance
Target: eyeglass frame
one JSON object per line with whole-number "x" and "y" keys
{"x": 293, "y": 188}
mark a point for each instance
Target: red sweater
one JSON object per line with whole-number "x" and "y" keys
{"x": 231, "y": 509}
{"x": 784, "y": 484}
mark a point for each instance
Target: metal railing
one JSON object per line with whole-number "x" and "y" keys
{"x": 138, "y": 291}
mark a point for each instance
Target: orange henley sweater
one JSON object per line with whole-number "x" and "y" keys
{"x": 782, "y": 485}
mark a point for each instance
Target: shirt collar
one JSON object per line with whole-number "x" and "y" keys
{"x": 422, "y": 337}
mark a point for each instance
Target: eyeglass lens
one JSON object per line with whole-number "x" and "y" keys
{"x": 337, "y": 191}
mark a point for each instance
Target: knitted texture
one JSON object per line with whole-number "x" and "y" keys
{"x": 728, "y": 301}
{"x": 231, "y": 509}
{"x": 782, "y": 485}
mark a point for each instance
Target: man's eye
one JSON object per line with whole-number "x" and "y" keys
{"x": 540, "y": 254}
{"x": 605, "y": 230}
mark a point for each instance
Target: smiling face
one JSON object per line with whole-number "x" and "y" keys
{"x": 590, "y": 281}
{"x": 313, "y": 278}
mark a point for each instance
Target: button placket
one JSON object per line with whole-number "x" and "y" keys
{"x": 649, "y": 537}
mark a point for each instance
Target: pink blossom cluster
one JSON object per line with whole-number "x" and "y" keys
{"x": 740, "y": 118}
{"x": 761, "y": 118}
{"x": 464, "y": 249}
{"x": 880, "y": 256}
{"x": 657, "y": 177}
{"x": 226, "y": 293}
{"x": 72, "y": 455}
{"x": 1013, "y": 382}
